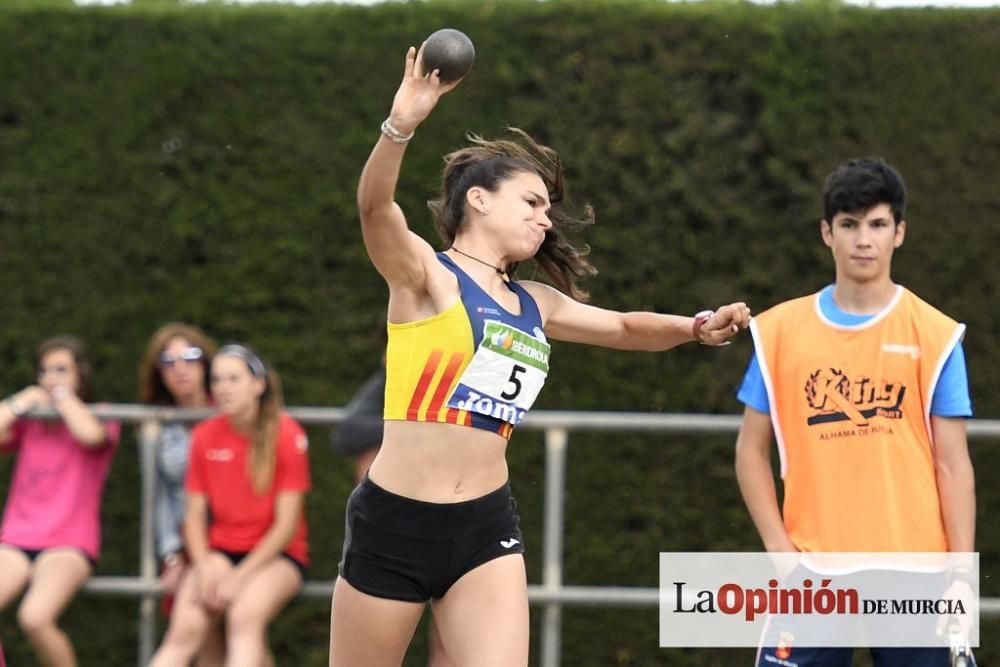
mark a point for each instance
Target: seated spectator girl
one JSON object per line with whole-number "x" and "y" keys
{"x": 50, "y": 535}
{"x": 244, "y": 519}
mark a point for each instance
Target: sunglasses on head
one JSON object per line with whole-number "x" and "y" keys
{"x": 188, "y": 354}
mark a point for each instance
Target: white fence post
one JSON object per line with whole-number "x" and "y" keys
{"x": 555, "y": 501}
{"x": 147, "y": 544}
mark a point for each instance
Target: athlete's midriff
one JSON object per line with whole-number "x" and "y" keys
{"x": 439, "y": 463}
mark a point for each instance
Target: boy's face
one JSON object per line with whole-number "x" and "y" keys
{"x": 863, "y": 242}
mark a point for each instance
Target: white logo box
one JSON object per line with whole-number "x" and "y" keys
{"x": 725, "y": 599}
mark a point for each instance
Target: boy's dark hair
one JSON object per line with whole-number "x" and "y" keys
{"x": 861, "y": 184}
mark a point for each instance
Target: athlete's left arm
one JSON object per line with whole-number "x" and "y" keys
{"x": 956, "y": 482}
{"x": 569, "y": 320}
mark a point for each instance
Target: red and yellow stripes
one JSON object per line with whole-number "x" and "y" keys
{"x": 436, "y": 382}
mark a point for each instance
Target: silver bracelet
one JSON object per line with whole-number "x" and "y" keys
{"x": 395, "y": 136}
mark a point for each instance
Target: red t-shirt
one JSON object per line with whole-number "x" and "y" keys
{"x": 239, "y": 517}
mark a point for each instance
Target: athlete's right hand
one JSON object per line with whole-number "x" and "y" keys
{"x": 418, "y": 93}
{"x": 724, "y": 323}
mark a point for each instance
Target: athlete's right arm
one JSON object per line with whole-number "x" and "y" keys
{"x": 398, "y": 254}
{"x": 756, "y": 479}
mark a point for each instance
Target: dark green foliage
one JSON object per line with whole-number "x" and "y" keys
{"x": 199, "y": 163}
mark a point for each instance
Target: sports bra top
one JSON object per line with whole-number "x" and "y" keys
{"x": 475, "y": 364}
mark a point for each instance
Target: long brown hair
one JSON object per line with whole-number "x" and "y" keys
{"x": 264, "y": 449}
{"x": 75, "y": 346}
{"x": 152, "y": 389}
{"x": 486, "y": 163}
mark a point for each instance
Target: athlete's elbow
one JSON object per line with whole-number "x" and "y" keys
{"x": 368, "y": 210}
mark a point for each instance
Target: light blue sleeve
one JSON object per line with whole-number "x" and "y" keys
{"x": 753, "y": 391}
{"x": 172, "y": 446}
{"x": 951, "y": 395}
{"x": 168, "y": 515}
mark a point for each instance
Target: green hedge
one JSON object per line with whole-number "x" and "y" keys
{"x": 199, "y": 163}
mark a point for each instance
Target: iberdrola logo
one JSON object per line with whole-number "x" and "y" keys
{"x": 503, "y": 341}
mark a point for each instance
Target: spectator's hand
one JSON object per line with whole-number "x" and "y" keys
{"x": 208, "y": 577}
{"x": 783, "y": 557}
{"x": 724, "y": 323}
{"x": 229, "y": 586}
{"x": 170, "y": 577}
{"x": 32, "y": 397}
{"x": 59, "y": 393}
{"x": 960, "y": 623}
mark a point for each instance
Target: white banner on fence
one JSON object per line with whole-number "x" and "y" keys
{"x": 830, "y": 599}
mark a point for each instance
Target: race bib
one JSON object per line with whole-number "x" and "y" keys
{"x": 505, "y": 374}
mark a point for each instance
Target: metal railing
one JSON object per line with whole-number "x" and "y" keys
{"x": 552, "y": 594}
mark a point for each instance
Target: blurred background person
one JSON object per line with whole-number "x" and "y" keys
{"x": 174, "y": 372}
{"x": 359, "y": 435}
{"x": 244, "y": 521}
{"x": 50, "y": 536}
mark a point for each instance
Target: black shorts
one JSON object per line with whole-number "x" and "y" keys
{"x": 404, "y": 549}
{"x": 32, "y": 554}
{"x": 235, "y": 557}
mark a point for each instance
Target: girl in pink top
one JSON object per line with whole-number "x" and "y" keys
{"x": 50, "y": 536}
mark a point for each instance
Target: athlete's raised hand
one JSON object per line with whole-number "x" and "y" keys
{"x": 418, "y": 92}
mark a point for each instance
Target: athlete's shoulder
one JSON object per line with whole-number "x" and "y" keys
{"x": 536, "y": 289}
{"x": 546, "y": 297}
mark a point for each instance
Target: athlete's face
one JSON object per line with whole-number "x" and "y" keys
{"x": 235, "y": 389}
{"x": 863, "y": 242}
{"x": 518, "y": 213}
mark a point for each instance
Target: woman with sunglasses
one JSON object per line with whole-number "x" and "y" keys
{"x": 174, "y": 372}
{"x": 50, "y": 535}
{"x": 244, "y": 519}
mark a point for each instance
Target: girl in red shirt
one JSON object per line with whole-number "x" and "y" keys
{"x": 244, "y": 519}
